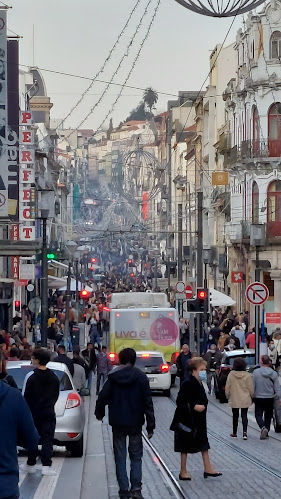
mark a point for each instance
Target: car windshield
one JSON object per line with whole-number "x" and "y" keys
{"x": 249, "y": 359}
{"x": 151, "y": 361}
{"x": 20, "y": 372}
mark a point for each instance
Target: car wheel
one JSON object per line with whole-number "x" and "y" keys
{"x": 277, "y": 427}
{"x": 173, "y": 379}
{"x": 167, "y": 393}
{"x": 76, "y": 448}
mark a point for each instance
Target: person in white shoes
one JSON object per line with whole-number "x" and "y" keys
{"x": 41, "y": 391}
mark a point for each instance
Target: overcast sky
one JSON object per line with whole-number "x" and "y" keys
{"x": 76, "y": 36}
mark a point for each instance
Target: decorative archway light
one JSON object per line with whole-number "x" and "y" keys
{"x": 220, "y": 8}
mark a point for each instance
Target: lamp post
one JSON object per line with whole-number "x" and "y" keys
{"x": 71, "y": 248}
{"x": 44, "y": 279}
{"x": 257, "y": 239}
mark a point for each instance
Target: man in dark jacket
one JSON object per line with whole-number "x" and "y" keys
{"x": 16, "y": 428}
{"x": 41, "y": 391}
{"x": 127, "y": 394}
{"x": 182, "y": 362}
{"x": 62, "y": 357}
{"x": 91, "y": 360}
{"x": 213, "y": 357}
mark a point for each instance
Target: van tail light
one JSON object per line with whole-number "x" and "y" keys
{"x": 73, "y": 400}
{"x": 113, "y": 358}
{"x": 164, "y": 368}
{"x": 145, "y": 355}
{"x": 174, "y": 357}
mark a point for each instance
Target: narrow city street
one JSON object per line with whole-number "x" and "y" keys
{"x": 250, "y": 469}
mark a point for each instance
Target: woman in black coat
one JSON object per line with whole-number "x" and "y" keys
{"x": 191, "y": 412}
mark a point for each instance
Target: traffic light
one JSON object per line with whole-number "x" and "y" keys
{"x": 85, "y": 294}
{"x": 130, "y": 262}
{"x": 93, "y": 260}
{"x": 132, "y": 274}
{"x": 51, "y": 256}
{"x": 201, "y": 304}
{"x": 17, "y": 305}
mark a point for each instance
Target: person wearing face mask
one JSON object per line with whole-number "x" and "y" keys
{"x": 191, "y": 414}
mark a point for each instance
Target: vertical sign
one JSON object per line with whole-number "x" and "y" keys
{"x": 26, "y": 178}
{"x": 3, "y": 116}
{"x": 15, "y": 260}
{"x": 13, "y": 129}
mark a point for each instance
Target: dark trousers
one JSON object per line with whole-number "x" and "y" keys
{"x": 46, "y": 429}
{"x": 264, "y": 412}
{"x": 235, "y": 417}
{"x": 135, "y": 449}
{"x": 100, "y": 376}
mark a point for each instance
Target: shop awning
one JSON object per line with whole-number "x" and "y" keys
{"x": 221, "y": 299}
{"x": 73, "y": 286}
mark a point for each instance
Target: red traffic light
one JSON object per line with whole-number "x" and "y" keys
{"x": 202, "y": 294}
{"x": 17, "y": 305}
{"x": 85, "y": 294}
{"x": 93, "y": 260}
{"x": 132, "y": 274}
{"x": 130, "y": 261}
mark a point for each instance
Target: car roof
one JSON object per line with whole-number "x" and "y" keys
{"x": 240, "y": 352}
{"x": 150, "y": 352}
{"x": 59, "y": 366}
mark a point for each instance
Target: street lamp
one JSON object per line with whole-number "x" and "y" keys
{"x": 44, "y": 280}
{"x": 70, "y": 247}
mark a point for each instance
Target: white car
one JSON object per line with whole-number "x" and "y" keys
{"x": 70, "y": 415}
{"x": 154, "y": 365}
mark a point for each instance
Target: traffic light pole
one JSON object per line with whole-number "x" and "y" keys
{"x": 44, "y": 286}
{"x": 68, "y": 297}
{"x": 257, "y": 309}
{"x": 199, "y": 266}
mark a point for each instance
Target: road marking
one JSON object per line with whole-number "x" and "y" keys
{"x": 48, "y": 483}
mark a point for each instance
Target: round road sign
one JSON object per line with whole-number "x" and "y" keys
{"x": 180, "y": 287}
{"x": 257, "y": 293}
{"x": 188, "y": 291}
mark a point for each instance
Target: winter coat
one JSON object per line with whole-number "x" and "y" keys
{"x": 266, "y": 383}
{"x": 128, "y": 396}
{"x": 191, "y": 393}
{"x": 41, "y": 391}
{"x": 213, "y": 360}
{"x": 239, "y": 389}
{"x": 251, "y": 340}
{"x": 16, "y": 428}
{"x": 221, "y": 341}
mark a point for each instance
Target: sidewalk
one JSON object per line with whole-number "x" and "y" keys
{"x": 94, "y": 479}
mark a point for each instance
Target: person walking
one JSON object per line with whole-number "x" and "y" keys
{"x": 182, "y": 361}
{"x": 191, "y": 414}
{"x": 16, "y": 429}
{"x": 64, "y": 359}
{"x": 239, "y": 332}
{"x": 273, "y": 354}
{"x": 41, "y": 391}
{"x": 79, "y": 376}
{"x": 213, "y": 358}
{"x": 251, "y": 340}
{"x": 128, "y": 396}
{"x": 239, "y": 390}
{"x": 267, "y": 388}
{"x": 104, "y": 367}
{"x": 94, "y": 333}
{"x": 90, "y": 357}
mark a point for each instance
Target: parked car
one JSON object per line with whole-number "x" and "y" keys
{"x": 69, "y": 408}
{"x": 226, "y": 366}
{"x": 154, "y": 365}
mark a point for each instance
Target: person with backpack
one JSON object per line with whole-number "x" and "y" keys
{"x": 213, "y": 358}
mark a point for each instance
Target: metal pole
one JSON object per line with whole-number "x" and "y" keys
{"x": 156, "y": 270}
{"x": 199, "y": 260}
{"x": 68, "y": 297}
{"x": 44, "y": 286}
{"x": 191, "y": 320}
{"x": 179, "y": 242}
{"x": 77, "y": 290}
{"x": 257, "y": 308}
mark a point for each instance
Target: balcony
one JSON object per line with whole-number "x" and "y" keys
{"x": 238, "y": 232}
{"x": 255, "y": 149}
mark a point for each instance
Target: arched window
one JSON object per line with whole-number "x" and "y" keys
{"x": 255, "y": 203}
{"x": 274, "y": 208}
{"x": 275, "y": 45}
{"x": 256, "y": 132}
{"x": 274, "y": 130}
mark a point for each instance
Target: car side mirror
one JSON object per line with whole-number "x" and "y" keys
{"x": 84, "y": 392}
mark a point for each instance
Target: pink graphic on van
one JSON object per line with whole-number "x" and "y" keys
{"x": 163, "y": 331}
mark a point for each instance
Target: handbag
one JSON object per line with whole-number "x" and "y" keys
{"x": 188, "y": 432}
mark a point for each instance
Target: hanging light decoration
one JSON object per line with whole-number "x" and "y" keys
{"x": 220, "y": 8}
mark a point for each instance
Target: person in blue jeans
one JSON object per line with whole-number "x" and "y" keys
{"x": 128, "y": 396}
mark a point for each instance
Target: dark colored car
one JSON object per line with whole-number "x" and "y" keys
{"x": 226, "y": 366}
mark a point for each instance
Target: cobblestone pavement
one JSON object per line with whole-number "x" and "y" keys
{"x": 153, "y": 484}
{"x": 241, "y": 478}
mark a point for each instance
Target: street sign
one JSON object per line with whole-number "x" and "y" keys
{"x": 273, "y": 318}
{"x": 237, "y": 276}
{"x": 257, "y": 293}
{"x": 188, "y": 291}
{"x": 180, "y": 287}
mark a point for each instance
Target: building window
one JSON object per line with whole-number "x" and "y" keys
{"x": 275, "y": 45}
{"x": 274, "y": 130}
{"x": 255, "y": 203}
{"x": 274, "y": 208}
{"x": 256, "y": 132}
